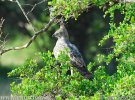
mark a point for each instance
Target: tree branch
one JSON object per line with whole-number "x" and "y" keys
{"x": 2, "y": 40}
{"x": 35, "y": 5}
{"x": 129, "y": 1}
{"x": 125, "y": 1}
{"x": 31, "y": 40}
{"x": 25, "y": 15}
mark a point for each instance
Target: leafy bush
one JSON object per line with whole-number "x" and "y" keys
{"x": 51, "y": 78}
{"x": 68, "y": 8}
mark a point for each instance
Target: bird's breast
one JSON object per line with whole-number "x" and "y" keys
{"x": 59, "y": 47}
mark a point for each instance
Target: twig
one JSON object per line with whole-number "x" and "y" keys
{"x": 25, "y": 15}
{"x": 1, "y": 23}
{"x": 35, "y": 5}
{"x": 31, "y": 40}
{"x": 129, "y": 1}
{"x": 2, "y": 40}
{"x": 124, "y": 1}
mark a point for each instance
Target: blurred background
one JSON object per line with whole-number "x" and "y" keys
{"x": 85, "y": 33}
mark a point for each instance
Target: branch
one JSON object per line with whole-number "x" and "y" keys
{"x": 35, "y": 5}
{"x": 25, "y": 15}
{"x": 2, "y": 40}
{"x": 31, "y": 40}
{"x": 129, "y": 1}
{"x": 125, "y": 1}
{"x": 1, "y": 23}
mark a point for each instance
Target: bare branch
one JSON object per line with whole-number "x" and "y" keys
{"x": 31, "y": 40}
{"x": 1, "y": 23}
{"x": 125, "y": 1}
{"x": 35, "y": 5}
{"x": 2, "y": 40}
{"x": 36, "y": 33}
{"x": 25, "y": 15}
{"x": 129, "y": 1}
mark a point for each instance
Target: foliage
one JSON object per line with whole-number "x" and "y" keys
{"x": 48, "y": 78}
{"x": 52, "y": 79}
{"x": 68, "y": 8}
{"x": 124, "y": 34}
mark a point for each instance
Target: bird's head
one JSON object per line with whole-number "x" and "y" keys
{"x": 61, "y": 33}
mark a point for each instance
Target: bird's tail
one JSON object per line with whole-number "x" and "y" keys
{"x": 84, "y": 72}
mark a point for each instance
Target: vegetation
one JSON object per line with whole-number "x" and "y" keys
{"x": 50, "y": 77}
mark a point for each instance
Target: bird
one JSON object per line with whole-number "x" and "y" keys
{"x": 75, "y": 56}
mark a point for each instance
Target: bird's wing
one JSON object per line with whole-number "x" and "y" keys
{"x": 76, "y": 58}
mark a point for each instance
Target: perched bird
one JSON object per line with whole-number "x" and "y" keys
{"x": 76, "y": 59}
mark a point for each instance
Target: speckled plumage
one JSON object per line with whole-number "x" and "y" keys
{"x": 62, "y": 44}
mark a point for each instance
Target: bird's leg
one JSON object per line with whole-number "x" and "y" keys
{"x": 71, "y": 69}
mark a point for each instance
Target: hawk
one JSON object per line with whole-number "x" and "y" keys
{"x": 76, "y": 59}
